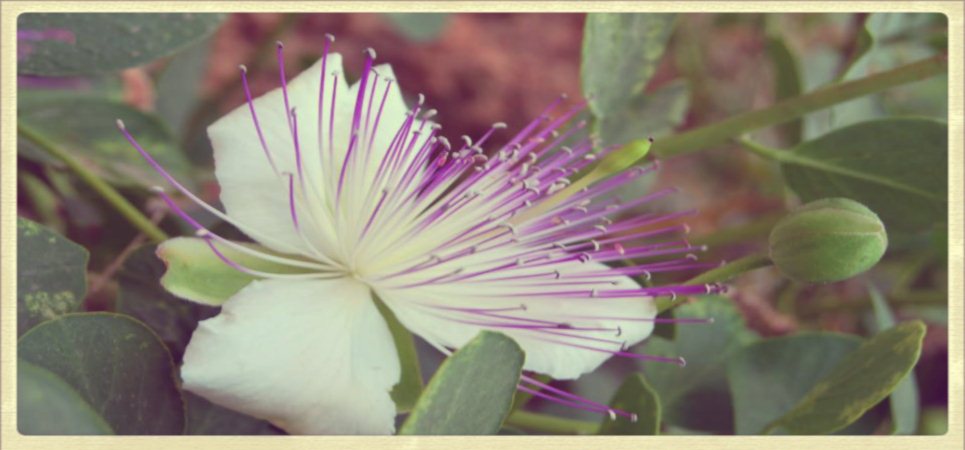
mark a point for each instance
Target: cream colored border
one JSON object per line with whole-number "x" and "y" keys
{"x": 10, "y": 439}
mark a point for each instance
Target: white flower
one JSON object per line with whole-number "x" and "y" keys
{"x": 361, "y": 197}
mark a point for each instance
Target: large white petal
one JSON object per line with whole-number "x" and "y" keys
{"x": 251, "y": 191}
{"x": 313, "y": 357}
{"x": 563, "y": 359}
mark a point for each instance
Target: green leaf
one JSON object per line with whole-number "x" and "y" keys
{"x": 904, "y": 401}
{"x": 179, "y": 86}
{"x": 206, "y": 418}
{"x": 406, "y": 392}
{"x": 44, "y": 90}
{"x": 419, "y": 27}
{"x": 86, "y": 127}
{"x": 116, "y": 364}
{"x": 767, "y": 378}
{"x": 696, "y": 396}
{"x": 864, "y": 43}
{"x": 896, "y": 167}
{"x": 620, "y": 54}
{"x": 78, "y": 43}
{"x": 637, "y": 397}
{"x": 141, "y": 296}
{"x": 861, "y": 380}
{"x": 51, "y": 275}
{"x": 472, "y": 391}
{"x": 46, "y": 405}
{"x": 787, "y": 80}
{"x": 196, "y": 273}
{"x": 647, "y": 115}
{"x": 886, "y": 41}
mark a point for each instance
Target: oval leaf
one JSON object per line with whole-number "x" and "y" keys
{"x": 787, "y": 79}
{"x": 649, "y": 115}
{"x": 620, "y": 54}
{"x": 194, "y": 272}
{"x": 51, "y": 275}
{"x": 406, "y": 392}
{"x": 472, "y": 391}
{"x": 73, "y": 44}
{"x": 905, "y": 400}
{"x": 206, "y": 418}
{"x": 861, "y": 380}
{"x": 897, "y": 167}
{"x": 116, "y": 364}
{"x": 142, "y": 297}
{"x": 637, "y": 397}
{"x": 767, "y": 378}
{"x": 86, "y": 128}
{"x": 46, "y": 405}
{"x": 696, "y": 396}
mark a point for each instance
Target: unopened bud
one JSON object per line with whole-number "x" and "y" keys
{"x": 828, "y": 240}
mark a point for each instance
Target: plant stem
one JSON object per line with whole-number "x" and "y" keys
{"x": 722, "y": 273}
{"x": 794, "y": 107}
{"x": 550, "y": 424}
{"x": 740, "y": 233}
{"x": 131, "y": 213}
{"x": 732, "y": 269}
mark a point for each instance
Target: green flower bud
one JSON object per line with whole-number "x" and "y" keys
{"x": 828, "y": 240}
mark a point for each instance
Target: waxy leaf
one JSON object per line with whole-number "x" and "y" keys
{"x": 768, "y": 377}
{"x": 896, "y": 167}
{"x": 60, "y": 44}
{"x": 861, "y": 380}
{"x": 648, "y": 115}
{"x": 885, "y": 41}
{"x": 116, "y": 364}
{"x": 179, "y": 90}
{"x": 87, "y": 129}
{"x": 904, "y": 401}
{"x": 787, "y": 80}
{"x": 46, "y": 405}
{"x": 406, "y": 392}
{"x": 206, "y": 418}
{"x": 194, "y": 272}
{"x": 634, "y": 396}
{"x": 696, "y": 397}
{"x": 51, "y": 275}
{"x": 620, "y": 54}
{"x": 472, "y": 391}
{"x": 174, "y": 320}
{"x": 141, "y": 296}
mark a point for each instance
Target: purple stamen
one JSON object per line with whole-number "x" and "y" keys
{"x": 254, "y": 118}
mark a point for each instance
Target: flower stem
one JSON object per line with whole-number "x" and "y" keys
{"x": 732, "y": 269}
{"x": 550, "y": 424}
{"x": 722, "y": 273}
{"x": 124, "y": 207}
{"x": 757, "y": 228}
{"x": 794, "y": 107}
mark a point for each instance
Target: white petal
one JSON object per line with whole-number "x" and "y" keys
{"x": 312, "y": 357}
{"x": 251, "y": 191}
{"x": 562, "y": 359}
